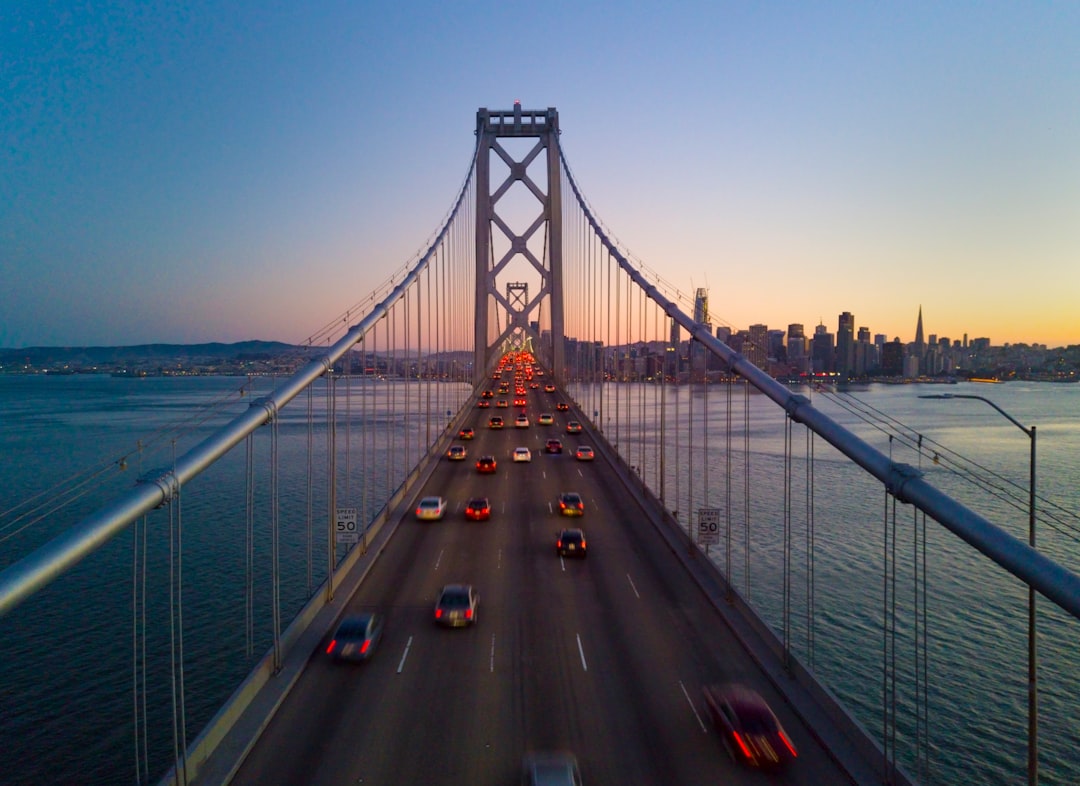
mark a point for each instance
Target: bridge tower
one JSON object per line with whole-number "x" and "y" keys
{"x": 542, "y": 254}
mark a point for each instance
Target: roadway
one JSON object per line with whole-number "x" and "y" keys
{"x": 604, "y": 657}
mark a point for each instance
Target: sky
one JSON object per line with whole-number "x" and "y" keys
{"x": 206, "y": 171}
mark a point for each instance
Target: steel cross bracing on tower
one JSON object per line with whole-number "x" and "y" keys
{"x": 517, "y": 295}
{"x": 522, "y": 326}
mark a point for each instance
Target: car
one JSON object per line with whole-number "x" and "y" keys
{"x": 550, "y": 769}
{"x": 456, "y": 605}
{"x": 431, "y": 509}
{"x": 478, "y": 509}
{"x": 553, "y": 446}
{"x": 466, "y": 433}
{"x": 570, "y": 543}
{"x": 584, "y": 453}
{"x": 522, "y": 454}
{"x": 573, "y": 427}
{"x": 486, "y": 465}
{"x": 495, "y": 422}
{"x": 519, "y": 401}
{"x": 521, "y": 421}
{"x": 487, "y": 394}
{"x": 483, "y": 403}
{"x": 749, "y": 729}
{"x": 534, "y": 385}
{"x": 570, "y": 504}
{"x": 562, "y": 406}
{"x": 457, "y": 453}
{"x": 502, "y": 404}
{"x": 549, "y": 388}
{"x": 356, "y": 637}
{"x": 545, "y": 419}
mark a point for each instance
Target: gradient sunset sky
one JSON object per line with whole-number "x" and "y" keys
{"x": 229, "y": 171}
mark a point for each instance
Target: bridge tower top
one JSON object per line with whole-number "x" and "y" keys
{"x": 499, "y": 245}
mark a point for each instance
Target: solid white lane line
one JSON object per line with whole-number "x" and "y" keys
{"x": 492, "y": 662}
{"x": 693, "y": 709}
{"x": 581, "y": 651}
{"x": 439, "y": 559}
{"x": 632, "y": 586}
{"x": 404, "y": 655}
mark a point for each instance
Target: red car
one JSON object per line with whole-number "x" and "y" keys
{"x": 485, "y": 465}
{"x": 750, "y": 731}
{"x": 478, "y": 509}
{"x": 466, "y": 433}
{"x": 553, "y": 446}
{"x": 562, "y": 406}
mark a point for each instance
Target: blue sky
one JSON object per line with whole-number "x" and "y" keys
{"x": 222, "y": 172}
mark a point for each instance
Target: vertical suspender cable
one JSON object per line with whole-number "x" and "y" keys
{"x": 746, "y": 482}
{"x": 787, "y": 540}
{"x": 249, "y": 546}
{"x": 310, "y": 487}
{"x": 347, "y": 371}
{"x": 690, "y": 451}
{"x": 810, "y": 545}
{"x": 729, "y": 386}
{"x": 275, "y": 538}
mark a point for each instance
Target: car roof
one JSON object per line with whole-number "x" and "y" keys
{"x": 431, "y": 501}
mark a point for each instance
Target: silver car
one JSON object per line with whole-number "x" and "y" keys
{"x": 356, "y": 637}
{"x": 550, "y": 769}
{"x": 456, "y": 605}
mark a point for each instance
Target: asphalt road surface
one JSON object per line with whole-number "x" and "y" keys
{"x": 604, "y": 657}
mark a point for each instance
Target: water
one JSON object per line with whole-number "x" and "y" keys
{"x": 68, "y": 657}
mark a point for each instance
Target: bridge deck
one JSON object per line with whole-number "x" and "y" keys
{"x": 605, "y": 656}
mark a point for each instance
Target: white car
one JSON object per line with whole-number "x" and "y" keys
{"x": 431, "y": 509}
{"x": 522, "y": 454}
{"x": 521, "y": 421}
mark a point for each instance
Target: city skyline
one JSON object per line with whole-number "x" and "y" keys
{"x": 190, "y": 176}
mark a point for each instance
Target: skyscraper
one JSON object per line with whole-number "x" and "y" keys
{"x": 845, "y": 345}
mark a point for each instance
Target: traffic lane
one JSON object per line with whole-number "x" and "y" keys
{"x": 686, "y": 629}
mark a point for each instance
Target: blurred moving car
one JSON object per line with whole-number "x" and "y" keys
{"x": 356, "y": 637}
{"x": 486, "y": 465}
{"x": 571, "y": 543}
{"x": 457, "y": 453}
{"x": 562, "y": 406}
{"x": 522, "y": 454}
{"x": 571, "y": 504}
{"x": 553, "y": 446}
{"x": 550, "y": 769}
{"x": 456, "y": 605}
{"x": 478, "y": 509}
{"x": 483, "y": 403}
{"x": 584, "y": 453}
{"x": 466, "y": 433}
{"x": 545, "y": 419}
{"x": 549, "y": 388}
{"x": 749, "y": 729}
{"x": 521, "y": 421}
{"x": 487, "y": 394}
{"x": 519, "y": 401}
{"x": 573, "y": 427}
{"x": 431, "y": 509}
{"x": 502, "y": 404}
{"x": 495, "y": 422}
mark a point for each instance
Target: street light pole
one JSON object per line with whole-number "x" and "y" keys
{"x": 1033, "y": 664}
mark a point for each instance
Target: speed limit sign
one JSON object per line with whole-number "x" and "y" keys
{"x": 708, "y": 526}
{"x": 346, "y": 529}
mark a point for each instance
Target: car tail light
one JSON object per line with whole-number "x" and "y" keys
{"x": 468, "y": 614}
{"x": 583, "y": 543}
{"x": 558, "y": 544}
{"x": 742, "y": 745}
{"x": 364, "y": 646}
{"x": 438, "y": 614}
{"x": 788, "y": 743}
{"x": 333, "y": 645}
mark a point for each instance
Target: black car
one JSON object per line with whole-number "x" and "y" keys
{"x": 356, "y": 637}
{"x": 571, "y": 543}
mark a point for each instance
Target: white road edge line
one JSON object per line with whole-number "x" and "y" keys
{"x": 693, "y": 709}
{"x": 404, "y": 655}
{"x": 632, "y": 586}
{"x": 492, "y": 662}
{"x": 581, "y": 651}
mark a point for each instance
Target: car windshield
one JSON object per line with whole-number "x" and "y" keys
{"x": 571, "y": 537}
{"x": 454, "y": 600}
{"x": 353, "y": 629}
{"x": 478, "y": 503}
{"x": 429, "y": 503}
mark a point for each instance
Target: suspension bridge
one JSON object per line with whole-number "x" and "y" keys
{"x": 710, "y": 559}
